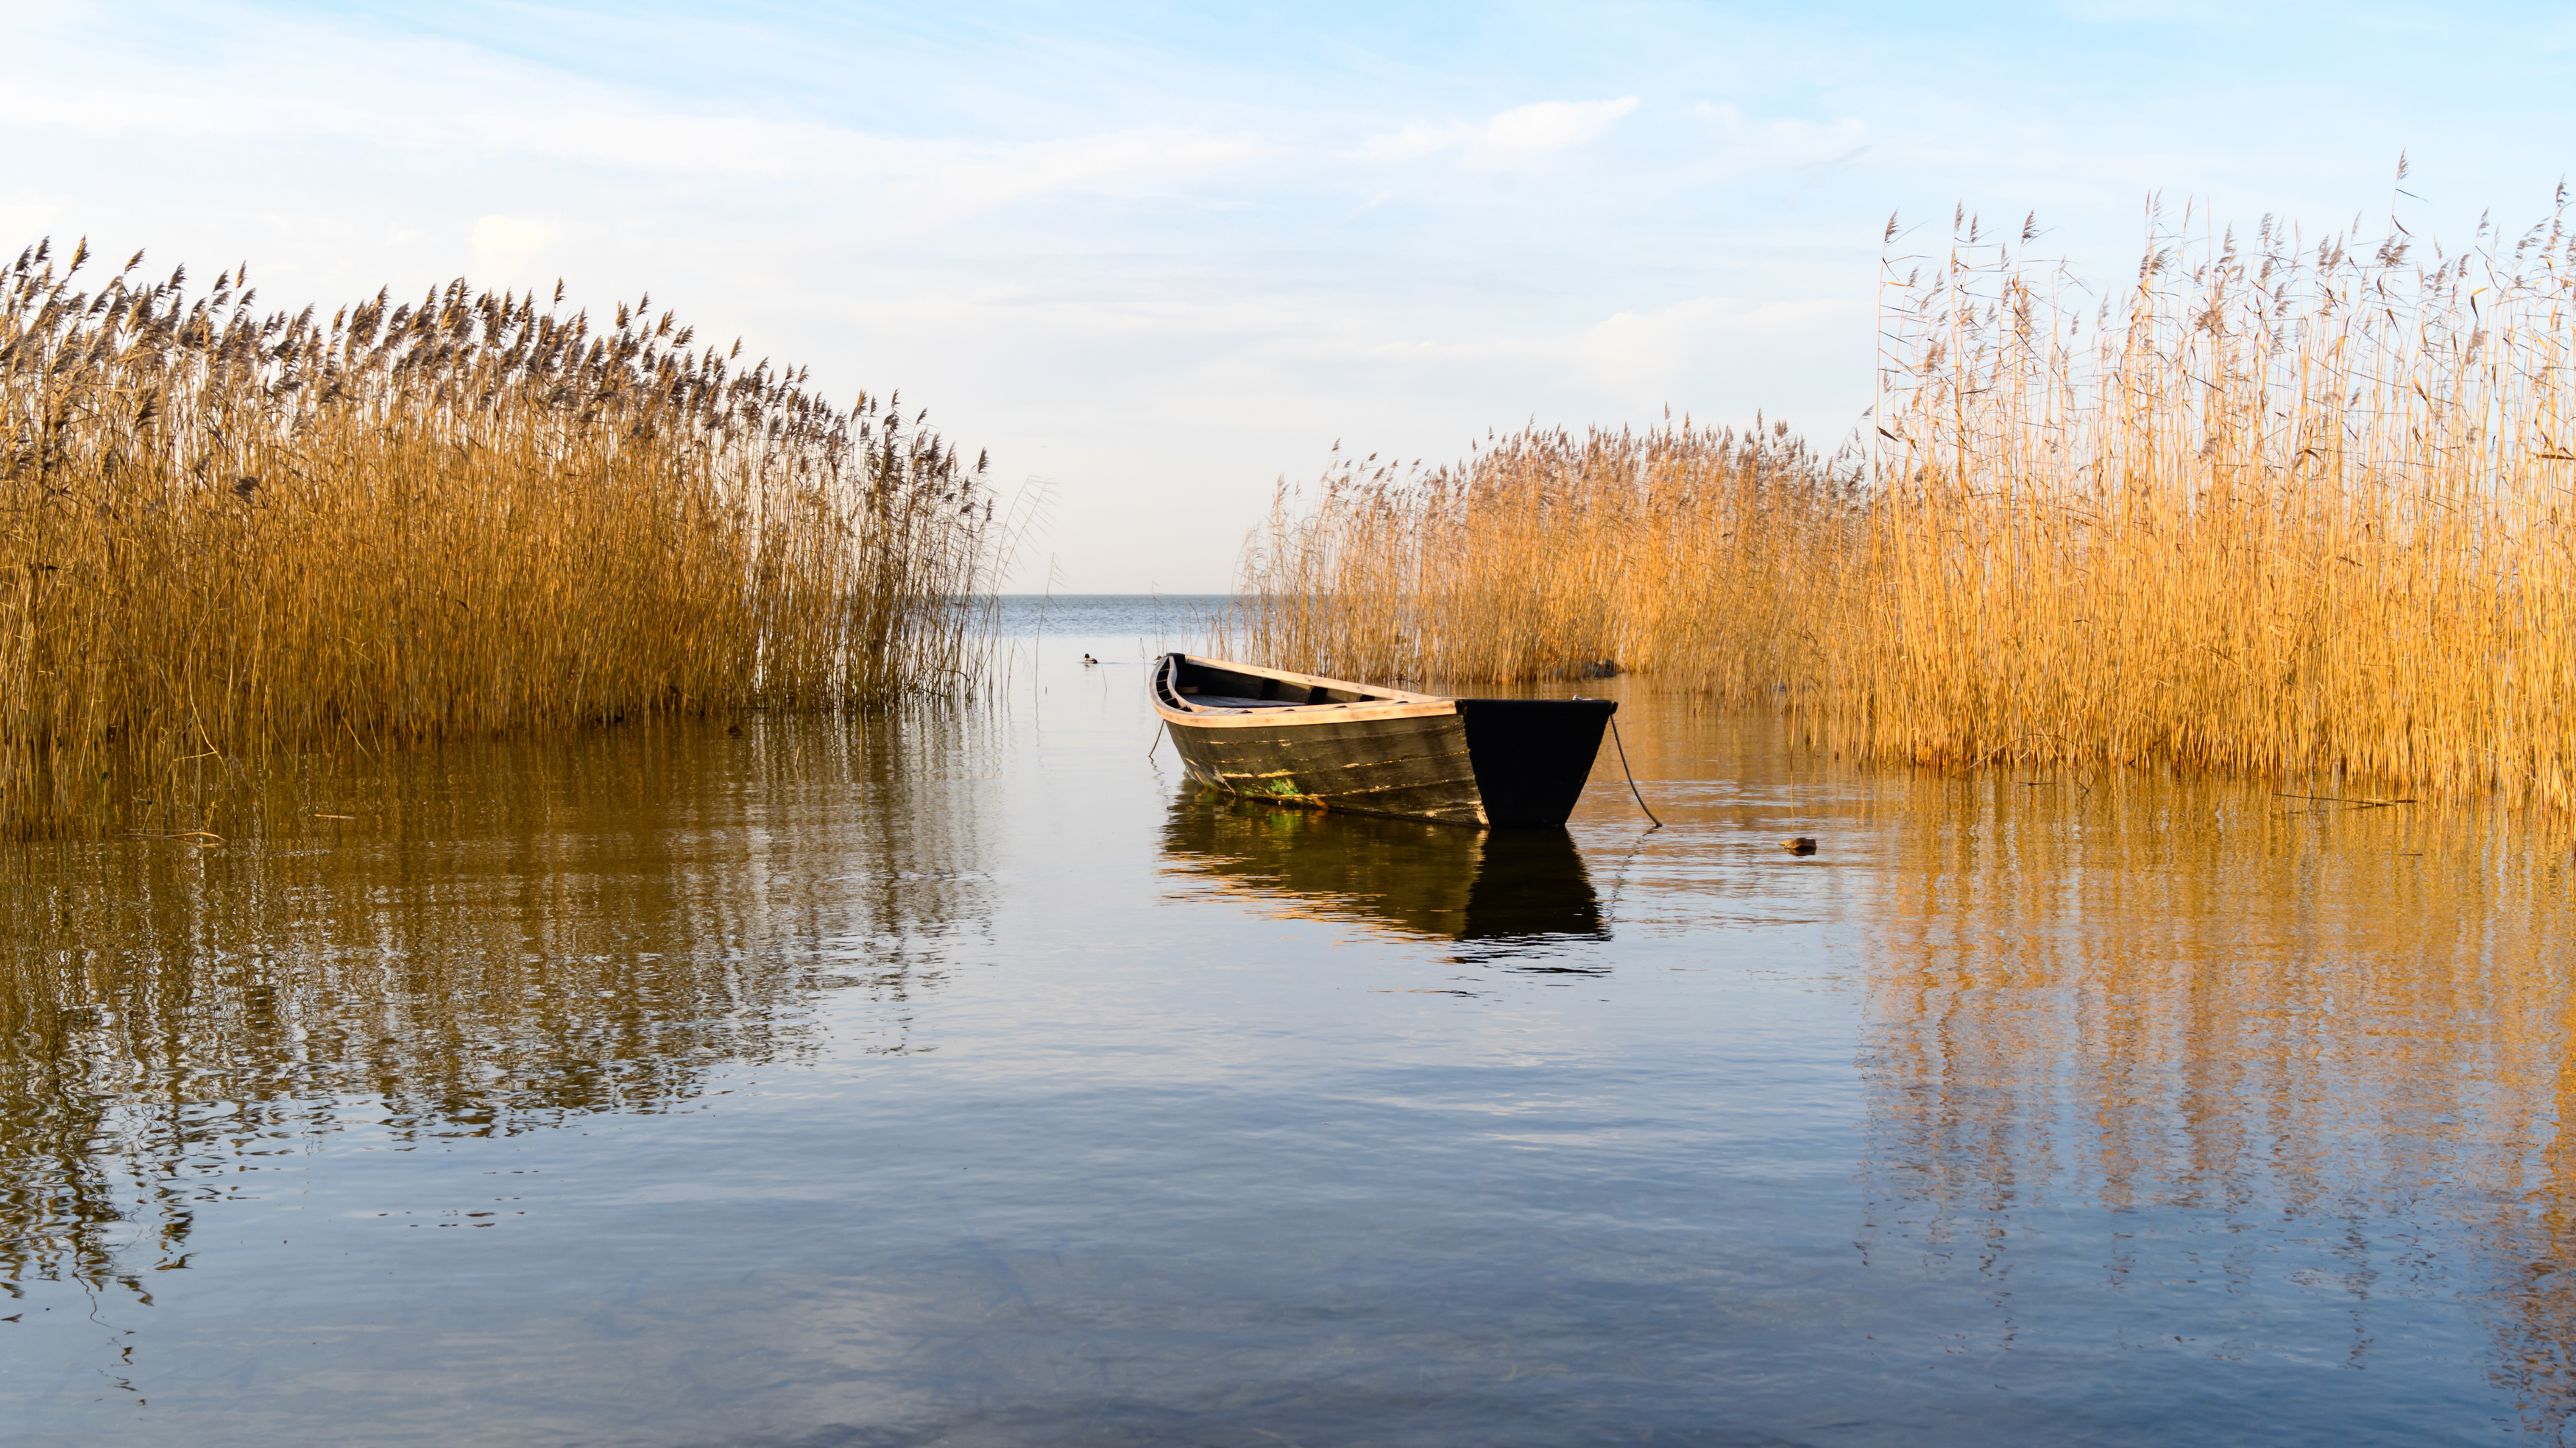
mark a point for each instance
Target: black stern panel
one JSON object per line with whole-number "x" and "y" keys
{"x": 1532, "y": 756}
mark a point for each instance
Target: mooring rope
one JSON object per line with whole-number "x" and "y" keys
{"x": 1632, "y": 777}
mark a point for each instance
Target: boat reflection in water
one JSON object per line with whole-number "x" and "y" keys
{"x": 1504, "y": 894}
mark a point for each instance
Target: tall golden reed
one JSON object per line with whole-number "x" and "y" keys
{"x": 227, "y": 535}
{"x": 2282, "y": 508}
{"x": 1688, "y": 549}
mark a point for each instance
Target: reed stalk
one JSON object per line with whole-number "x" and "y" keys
{"x": 2281, "y": 508}
{"x": 226, "y": 536}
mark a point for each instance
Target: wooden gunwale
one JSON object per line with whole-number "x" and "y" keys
{"x": 1381, "y": 703}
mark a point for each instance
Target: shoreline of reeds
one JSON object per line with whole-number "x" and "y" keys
{"x": 228, "y": 536}
{"x": 2282, "y": 509}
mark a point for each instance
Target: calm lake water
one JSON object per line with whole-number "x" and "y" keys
{"x": 963, "y": 1077}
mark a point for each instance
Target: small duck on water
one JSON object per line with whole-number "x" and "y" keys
{"x": 1088, "y": 660}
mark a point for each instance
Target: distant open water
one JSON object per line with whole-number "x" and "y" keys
{"x": 1177, "y": 618}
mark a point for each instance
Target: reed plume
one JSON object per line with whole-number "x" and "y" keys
{"x": 2281, "y": 508}
{"x": 227, "y": 535}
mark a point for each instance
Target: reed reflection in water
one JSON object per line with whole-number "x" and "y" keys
{"x": 1510, "y": 895}
{"x": 2292, "y": 1052}
{"x": 473, "y": 942}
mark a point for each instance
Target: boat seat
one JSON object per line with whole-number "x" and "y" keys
{"x": 1237, "y": 701}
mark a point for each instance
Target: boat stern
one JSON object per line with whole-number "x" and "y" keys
{"x": 1533, "y": 756}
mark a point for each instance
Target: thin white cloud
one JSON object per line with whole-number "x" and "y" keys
{"x": 1507, "y": 139}
{"x": 1745, "y": 145}
{"x": 1411, "y": 143}
{"x": 2165, "y": 12}
{"x": 1529, "y": 132}
{"x": 1122, "y": 163}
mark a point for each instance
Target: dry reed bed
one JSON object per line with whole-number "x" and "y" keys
{"x": 225, "y": 535}
{"x": 2279, "y": 509}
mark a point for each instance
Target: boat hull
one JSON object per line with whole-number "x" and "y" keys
{"x": 1417, "y": 768}
{"x": 1473, "y": 762}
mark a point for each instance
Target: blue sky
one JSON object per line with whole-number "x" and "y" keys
{"x": 1159, "y": 256}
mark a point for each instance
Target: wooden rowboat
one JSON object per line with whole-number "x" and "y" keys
{"x": 1329, "y": 743}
